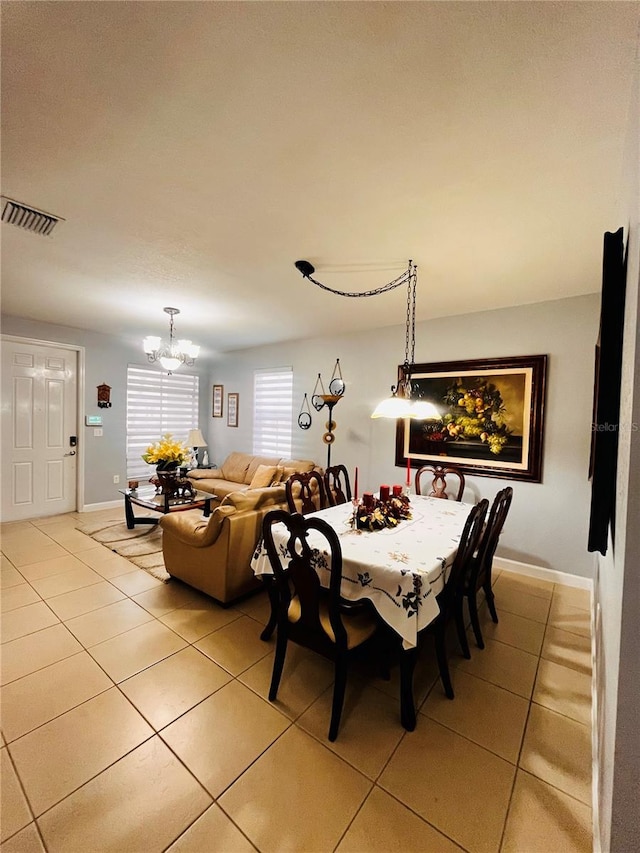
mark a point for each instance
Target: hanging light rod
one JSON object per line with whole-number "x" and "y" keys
{"x": 401, "y": 403}
{"x": 307, "y": 269}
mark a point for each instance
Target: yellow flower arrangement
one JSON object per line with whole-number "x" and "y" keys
{"x": 166, "y": 453}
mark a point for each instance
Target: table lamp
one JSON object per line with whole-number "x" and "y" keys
{"x": 195, "y": 439}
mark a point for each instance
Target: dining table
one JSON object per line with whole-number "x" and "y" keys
{"x": 399, "y": 569}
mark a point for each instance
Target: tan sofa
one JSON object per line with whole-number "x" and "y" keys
{"x": 214, "y": 554}
{"x": 239, "y": 470}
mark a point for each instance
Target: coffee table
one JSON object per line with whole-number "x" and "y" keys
{"x": 147, "y": 497}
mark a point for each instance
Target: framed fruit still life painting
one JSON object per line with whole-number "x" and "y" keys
{"x": 490, "y": 417}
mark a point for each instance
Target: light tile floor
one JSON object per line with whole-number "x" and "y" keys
{"x": 135, "y": 718}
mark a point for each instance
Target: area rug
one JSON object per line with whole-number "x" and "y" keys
{"x": 141, "y": 546}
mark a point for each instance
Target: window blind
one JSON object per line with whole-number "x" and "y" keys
{"x": 272, "y": 411}
{"x": 157, "y": 403}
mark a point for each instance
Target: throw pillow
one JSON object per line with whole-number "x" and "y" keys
{"x": 263, "y": 477}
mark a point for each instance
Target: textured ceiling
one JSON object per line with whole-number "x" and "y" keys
{"x": 196, "y": 150}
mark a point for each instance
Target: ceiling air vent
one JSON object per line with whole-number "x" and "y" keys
{"x": 29, "y": 218}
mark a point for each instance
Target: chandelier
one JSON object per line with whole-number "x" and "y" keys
{"x": 401, "y": 403}
{"x": 174, "y": 353}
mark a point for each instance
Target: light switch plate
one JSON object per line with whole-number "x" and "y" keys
{"x": 97, "y": 433}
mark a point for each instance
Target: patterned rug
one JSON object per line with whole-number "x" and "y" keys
{"x": 142, "y": 545}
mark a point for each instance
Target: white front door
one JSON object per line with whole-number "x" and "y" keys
{"x": 39, "y": 418}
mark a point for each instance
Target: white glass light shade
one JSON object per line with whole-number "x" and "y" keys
{"x": 196, "y": 439}
{"x": 394, "y": 407}
{"x": 170, "y": 363}
{"x": 151, "y": 344}
{"x": 425, "y": 411}
{"x": 188, "y": 348}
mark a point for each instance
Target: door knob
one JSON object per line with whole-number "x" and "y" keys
{"x": 70, "y": 453}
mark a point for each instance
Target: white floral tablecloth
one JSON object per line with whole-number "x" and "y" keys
{"x": 401, "y": 570}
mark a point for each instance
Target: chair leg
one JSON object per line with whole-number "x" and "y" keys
{"x": 462, "y": 634}
{"x": 408, "y": 658}
{"x": 338, "y": 696}
{"x": 475, "y": 621}
{"x": 269, "y": 628}
{"x": 488, "y": 592}
{"x": 278, "y": 662}
{"x": 443, "y": 664}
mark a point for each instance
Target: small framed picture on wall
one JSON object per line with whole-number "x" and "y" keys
{"x": 218, "y": 397}
{"x": 232, "y": 409}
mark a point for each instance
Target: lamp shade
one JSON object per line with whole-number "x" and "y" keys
{"x": 394, "y": 407}
{"x": 168, "y": 362}
{"x": 425, "y": 411}
{"x": 196, "y": 439}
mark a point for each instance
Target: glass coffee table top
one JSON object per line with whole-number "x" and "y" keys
{"x": 149, "y": 498}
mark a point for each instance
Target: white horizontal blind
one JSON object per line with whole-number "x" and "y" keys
{"x": 272, "y": 411}
{"x": 157, "y": 403}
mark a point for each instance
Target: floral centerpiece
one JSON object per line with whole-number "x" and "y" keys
{"x": 166, "y": 454}
{"x": 381, "y": 514}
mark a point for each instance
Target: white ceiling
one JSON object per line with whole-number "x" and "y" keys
{"x": 196, "y": 150}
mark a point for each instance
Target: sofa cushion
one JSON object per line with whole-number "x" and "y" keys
{"x": 287, "y": 467}
{"x": 218, "y": 487}
{"x": 235, "y": 466}
{"x": 298, "y": 465}
{"x": 255, "y": 463}
{"x": 263, "y": 476}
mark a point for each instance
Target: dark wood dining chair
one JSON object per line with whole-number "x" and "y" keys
{"x": 449, "y": 597}
{"x": 337, "y": 485}
{"x": 478, "y": 575}
{"x": 437, "y": 480}
{"x": 305, "y": 492}
{"x": 307, "y": 613}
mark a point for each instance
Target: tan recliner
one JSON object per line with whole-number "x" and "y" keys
{"x": 214, "y": 554}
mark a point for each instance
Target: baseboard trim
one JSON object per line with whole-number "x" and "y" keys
{"x": 103, "y": 505}
{"x": 541, "y": 573}
{"x": 595, "y": 732}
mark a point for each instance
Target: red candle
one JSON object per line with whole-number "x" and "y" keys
{"x": 408, "y": 470}
{"x": 397, "y": 491}
{"x": 367, "y": 499}
{"x": 355, "y": 487}
{"x": 384, "y": 493}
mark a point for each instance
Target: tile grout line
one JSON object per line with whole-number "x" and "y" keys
{"x": 291, "y": 723}
{"x": 524, "y": 732}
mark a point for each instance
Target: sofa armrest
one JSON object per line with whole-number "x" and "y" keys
{"x": 192, "y": 529}
{"x": 205, "y": 474}
{"x": 253, "y": 499}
